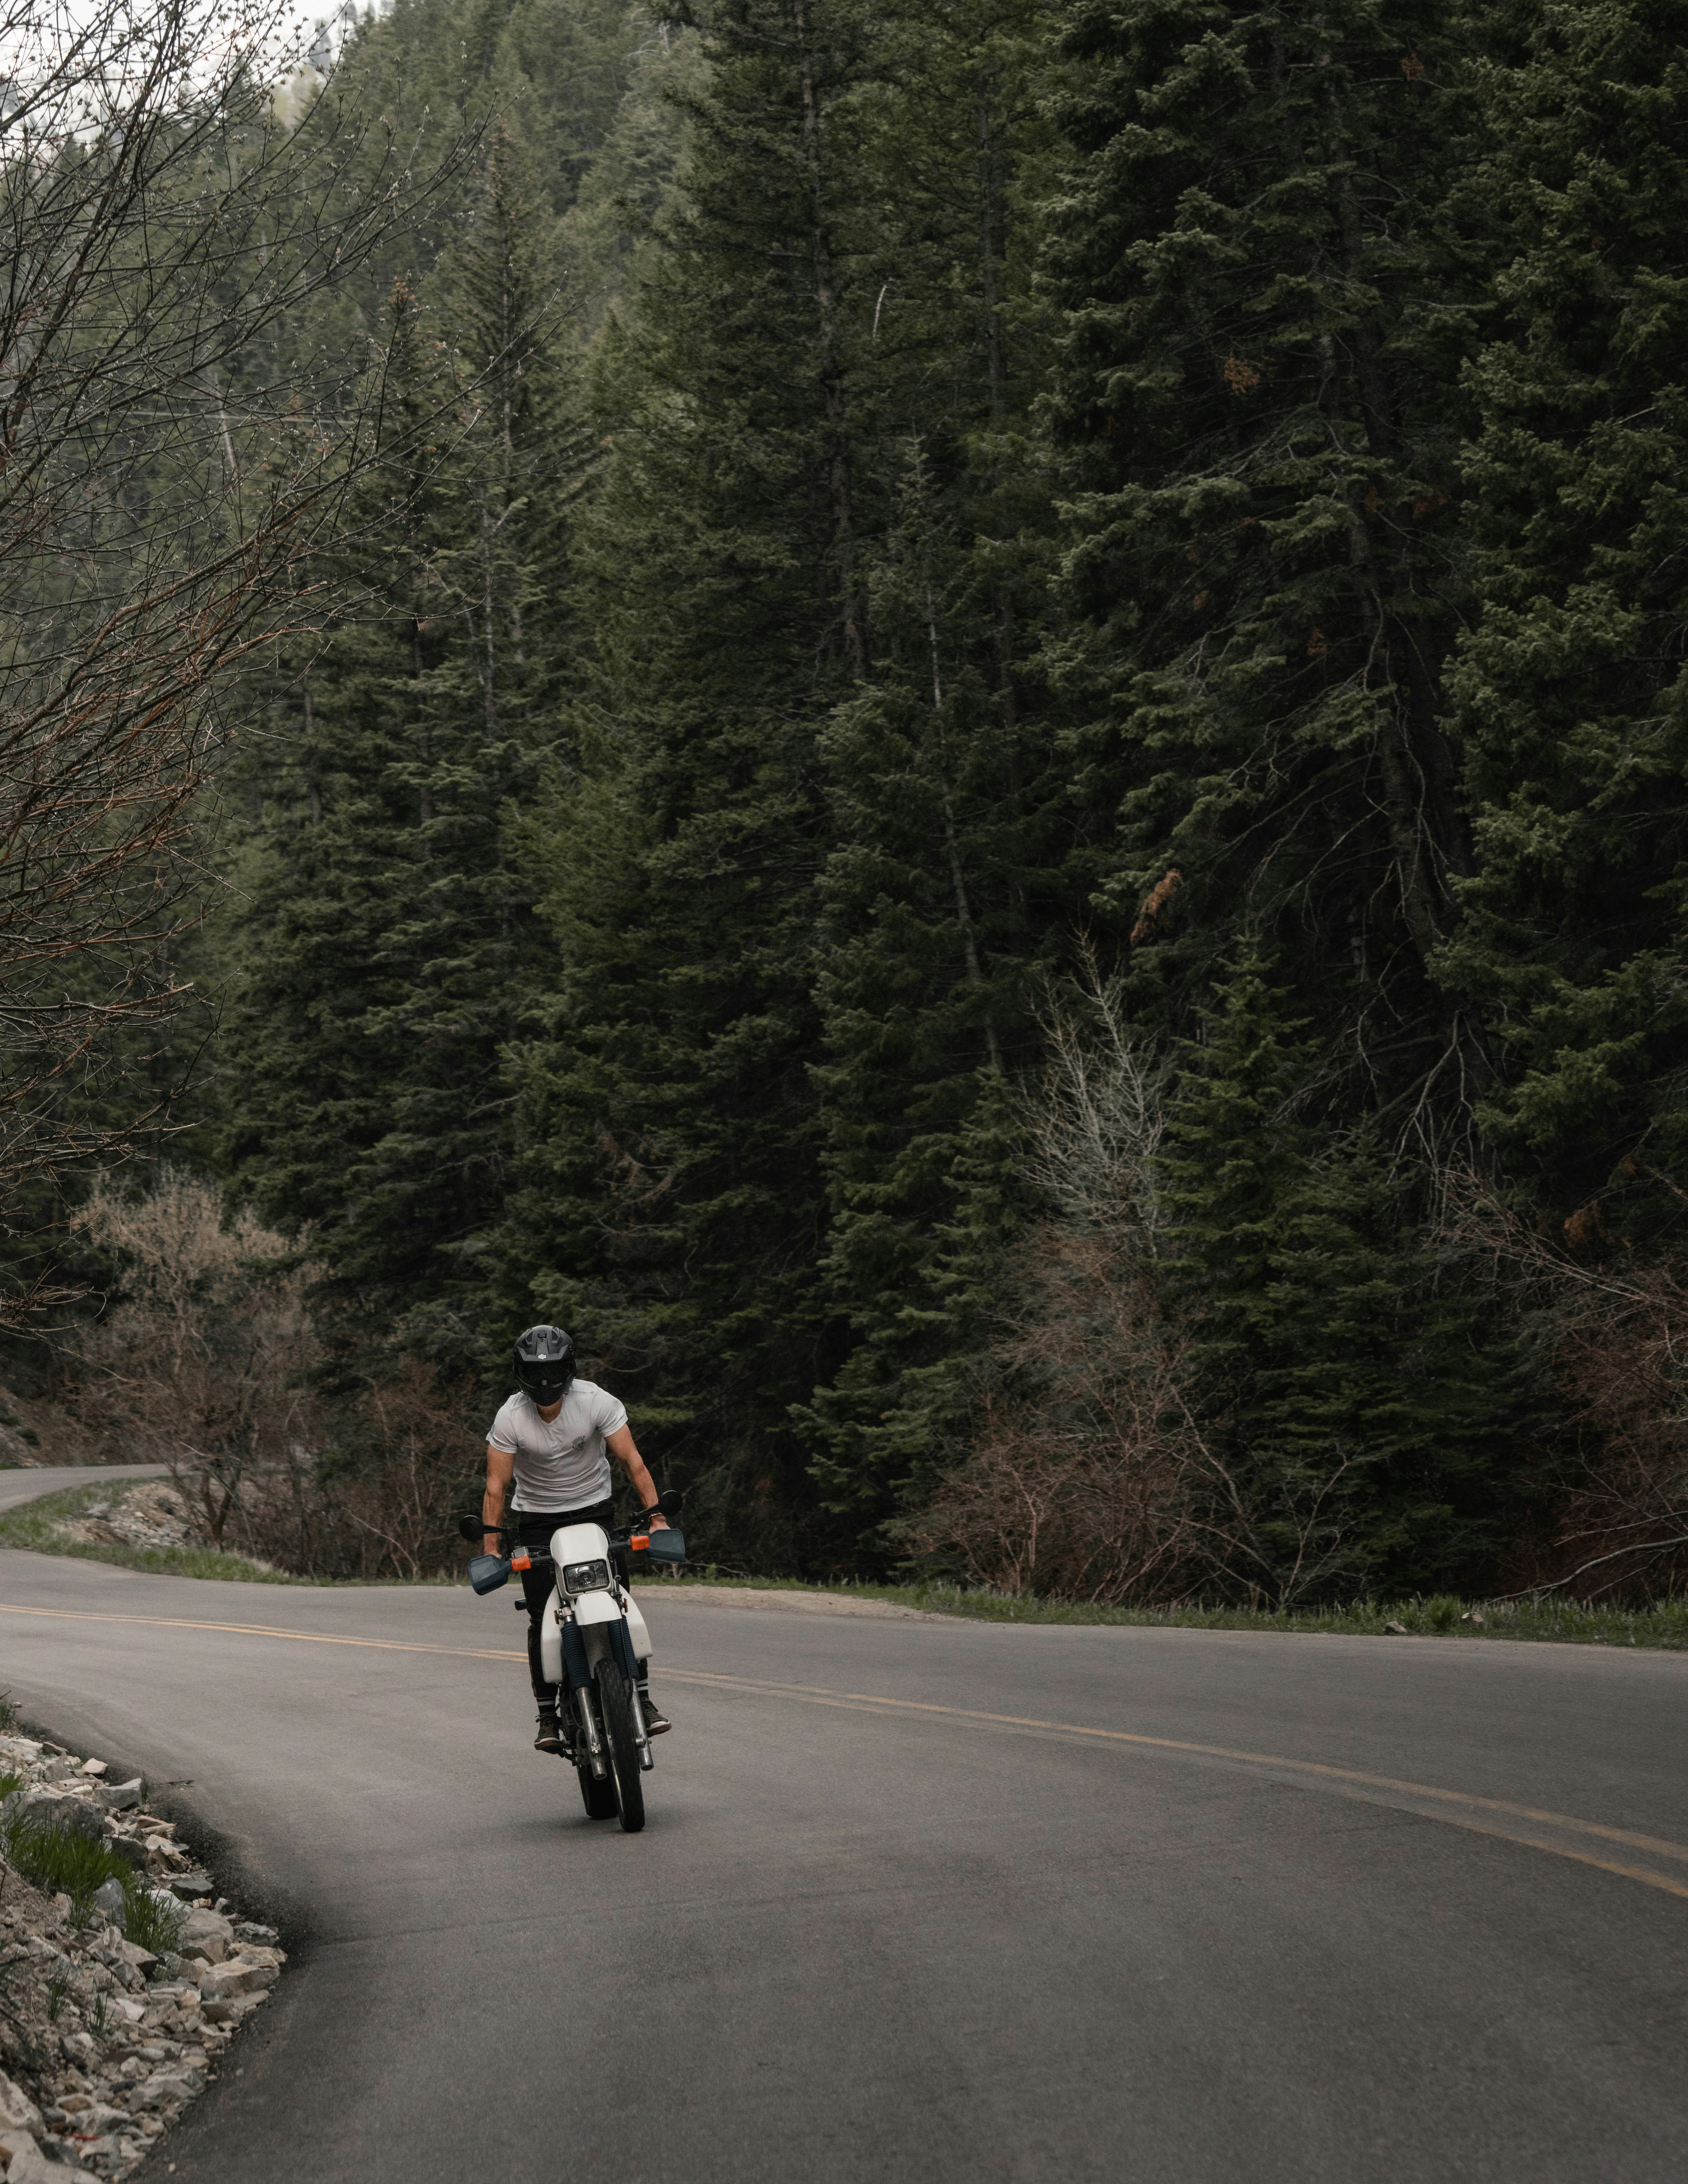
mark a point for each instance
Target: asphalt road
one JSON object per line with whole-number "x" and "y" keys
{"x": 916, "y": 1900}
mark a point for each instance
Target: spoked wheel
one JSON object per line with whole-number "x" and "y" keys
{"x": 615, "y": 1706}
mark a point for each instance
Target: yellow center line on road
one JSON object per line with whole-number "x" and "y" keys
{"x": 868, "y": 1703}
{"x": 266, "y": 1630}
{"x": 1659, "y": 1846}
{"x": 1467, "y": 1817}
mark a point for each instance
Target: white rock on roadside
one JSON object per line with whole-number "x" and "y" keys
{"x": 110, "y": 2057}
{"x": 223, "y": 1982}
{"x": 25, "y": 2162}
{"x": 17, "y": 2112}
{"x": 207, "y": 1934}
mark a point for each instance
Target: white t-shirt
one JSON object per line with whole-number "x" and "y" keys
{"x": 560, "y": 1463}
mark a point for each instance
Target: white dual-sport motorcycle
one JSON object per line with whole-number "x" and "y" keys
{"x": 594, "y": 1648}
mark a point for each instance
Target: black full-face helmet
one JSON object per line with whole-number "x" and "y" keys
{"x": 545, "y": 1364}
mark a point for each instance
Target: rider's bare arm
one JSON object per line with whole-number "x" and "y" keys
{"x": 621, "y": 1446}
{"x": 500, "y": 1465}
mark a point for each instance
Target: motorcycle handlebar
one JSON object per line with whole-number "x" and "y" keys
{"x": 620, "y": 1538}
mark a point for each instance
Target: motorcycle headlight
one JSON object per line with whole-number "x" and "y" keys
{"x": 586, "y": 1577}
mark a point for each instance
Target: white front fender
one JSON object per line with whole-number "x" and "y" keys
{"x": 592, "y": 1609}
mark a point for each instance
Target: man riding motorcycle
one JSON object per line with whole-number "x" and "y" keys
{"x": 555, "y": 1436}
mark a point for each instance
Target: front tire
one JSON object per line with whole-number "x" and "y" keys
{"x": 598, "y": 1798}
{"x": 597, "y": 1794}
{"x": 616, "y": 1709}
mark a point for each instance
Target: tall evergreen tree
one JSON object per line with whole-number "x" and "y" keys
{"x": 1353, "y": 1402}
{"x": 942, "y": 889}
{"x": 1573, "y": 684}
{"x": 1265, "y": 309}
{"x": 1268, "y": 297}
{"x": 671, "y": 1208}
{"x": 388, "y": 941}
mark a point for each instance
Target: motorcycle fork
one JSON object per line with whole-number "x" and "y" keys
{"x": 594, "y": 1740}
{"x": 641, "y": 1734}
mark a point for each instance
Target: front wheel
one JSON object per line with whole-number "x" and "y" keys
{"x": 598, "y": 1798}
{"x": 616, "y": 1709}
{"x": 597, "y": 1793}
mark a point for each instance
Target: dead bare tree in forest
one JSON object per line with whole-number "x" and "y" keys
{"x": 166, "y": 494}
{"x": 1096, "y": 1473}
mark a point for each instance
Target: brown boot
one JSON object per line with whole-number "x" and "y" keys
{"x": 550, "y": 1736}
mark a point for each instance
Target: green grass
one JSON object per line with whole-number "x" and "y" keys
{"x": 1439, "y": 1615}
{"x": 148, "y": 1921}
{"x": 57, "y": 1860}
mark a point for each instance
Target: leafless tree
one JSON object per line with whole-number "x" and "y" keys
{"x": 205, "y": 1362}
{"x": 1095, "y": 1473}
{"x": 167, "y": 490}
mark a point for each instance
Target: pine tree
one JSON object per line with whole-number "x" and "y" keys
{"x": 1573, "y": 694}
{"x": 943, "y": 892}
{"x": 1268, "y": 296}
{"x": 1265, "y": 305}
{"x": 672, "y": 1210}
{"x": 937, "y": 903}
{"x": 389, "y": 946}
{"x": 1357, "y": 1404}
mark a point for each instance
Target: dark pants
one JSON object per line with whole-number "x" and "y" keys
{"x": 534, "y": 1529}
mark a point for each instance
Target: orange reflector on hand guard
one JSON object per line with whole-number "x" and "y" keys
{"x": 639, "y": 1542}
{"x": 522, "y": 1560}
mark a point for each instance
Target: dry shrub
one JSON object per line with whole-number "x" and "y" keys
{"x": 387, "y": 1497}
{"x": 208, "y": 1362}
{"x": 201, "y": 1362}
{"x": 1615, "y": 1337}
{"x": 1079, "y": 1485}
{"x": 1095, "y": 1474}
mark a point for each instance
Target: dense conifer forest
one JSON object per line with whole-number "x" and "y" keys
{"x": 995, "y": 786}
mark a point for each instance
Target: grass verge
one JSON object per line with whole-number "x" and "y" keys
{"x": 37, "y": 1525}
{"x": 1440, "y": 1615}
{"x": 58, "y": 1859}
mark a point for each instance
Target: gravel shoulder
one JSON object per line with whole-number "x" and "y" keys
{"x": 106, "y": 2040}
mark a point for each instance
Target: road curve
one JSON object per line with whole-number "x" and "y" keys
{"x": 29, "y": 1484}
{"x": 933, "y": 1900}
